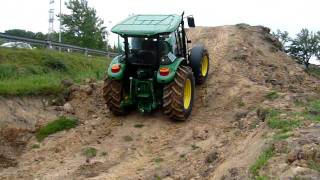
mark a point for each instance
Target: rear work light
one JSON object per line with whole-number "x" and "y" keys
{"x": 115, "y": 68}
{"x": 164, "y": 71}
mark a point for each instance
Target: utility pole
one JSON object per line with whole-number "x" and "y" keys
{"x": 60, "y": 27}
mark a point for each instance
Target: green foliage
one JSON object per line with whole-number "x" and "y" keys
{"x": 261, "y": 161}
{"x": 283, "y": 37}
{"x": 60, "y": 124}
{"x": 272, "y": 95}
{"x": 304, "y": 46}
{"x": 281, "y": 136}
{"x": 83, "y": 27}
{"x": 33, "y": 72}
{"x": 275, "y": 122}
{"x": 314, "y": 70}
{"x": 89, "y": 152}
{"x": 55, "y": 64}
{"x": 313, "y": 111}
{"x": 314, "y": 165}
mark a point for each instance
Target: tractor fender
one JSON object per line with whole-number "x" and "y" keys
{"x": 173, "y": 67}
{"x": 118, "y": 75}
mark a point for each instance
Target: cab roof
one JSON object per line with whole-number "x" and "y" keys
{"x": 147, "y": 25}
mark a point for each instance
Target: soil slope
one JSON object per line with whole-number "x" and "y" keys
{"x": 222, "y": 139}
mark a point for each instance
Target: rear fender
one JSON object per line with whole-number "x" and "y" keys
{"x": 173, "y": 69}
{"x": 118, "y": 75}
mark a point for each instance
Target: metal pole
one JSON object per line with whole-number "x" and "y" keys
{"x": 60, "y": 27}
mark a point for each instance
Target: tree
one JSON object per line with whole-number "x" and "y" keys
{"x": 83, "y": 27}
{"x": 283, "y": 37}
{"x": 304, "y": 46}
{"x": 318, "y": 47}
{"x": 20, "y": 33}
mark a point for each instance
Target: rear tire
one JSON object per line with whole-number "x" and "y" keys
{"x": 199, "y": 62}
{"x": 112, "y": 94}
{"x": 179, "y": 94}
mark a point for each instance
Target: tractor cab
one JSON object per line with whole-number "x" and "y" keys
{"x": 154, "y": 56}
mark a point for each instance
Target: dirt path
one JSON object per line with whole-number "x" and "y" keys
{"x": 221, "y": 140}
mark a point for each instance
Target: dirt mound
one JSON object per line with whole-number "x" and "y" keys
{"x": 223, "y": 138}
{"x": 19, "y": 118}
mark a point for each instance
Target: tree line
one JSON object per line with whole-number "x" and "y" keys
{"x": 303, "y": 47}
{"x": 82, "y": 27}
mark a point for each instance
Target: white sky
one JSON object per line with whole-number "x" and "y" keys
{"x": 290, "y": 15}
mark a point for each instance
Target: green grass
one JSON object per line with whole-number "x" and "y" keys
{"x": 314, "y": 70}
{"x": 272, "y": 95}
{"x": 158, "y": 160}
{"x": 138, "y": 125}
{"x": 314, "y": 165}
{"x": 274, "y": 121}
{"x": 90, "y": 152}
{"x": 60, "y": 124}
{"x": 35, "y": 146}
{"x": 261, "y": 161}
{"x": 281, "y": 136}
{"x": 39, "y": 72}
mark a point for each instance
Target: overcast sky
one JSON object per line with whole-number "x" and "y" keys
{"x": 290, "y": 15}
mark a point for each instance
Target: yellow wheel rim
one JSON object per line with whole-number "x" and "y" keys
{"x": 187, "y": 94}
{"x": 204, "y": 65}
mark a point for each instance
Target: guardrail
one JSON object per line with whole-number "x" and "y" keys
{"x": 53, "y": 45}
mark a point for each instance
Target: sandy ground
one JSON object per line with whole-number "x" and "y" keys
{"x": 221, "y": 140}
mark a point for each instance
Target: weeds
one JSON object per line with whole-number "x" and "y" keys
{"x": 314, "y": 165}
{"x": 35, "y": 146}
{"x": 138, "y": 125}
{"x": 60, "y": 124}
{"x": 272, "y": 95}
{"x": 261, "y": 161}
{"x": 127, "y": 138}
{"x": 158, "y": 160}
{"x": 89, "y": 152}
{"x": 275, "y": 122}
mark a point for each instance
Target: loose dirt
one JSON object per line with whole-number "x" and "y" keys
{"x": 221, "y": 140}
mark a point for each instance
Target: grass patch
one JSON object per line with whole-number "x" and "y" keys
{"x": 138, "y": 125}
{"x": 60, "y": 124}
{"x": 272, "y": 95}
{"x": 40, "y": 71}
{"x": 281, "y": 136}
{"x": 127, "y": 138}
{"x": 158, "y": 160}
{"x": 194, "y": 147}
{"x": 314, "y": 165}
{"x": 274, "y": 121}
{"x": 261, "y": 161}
{"x": 89, "y": 152}
{"x": 314, "y": 70}
{"x": 35, "y": 146}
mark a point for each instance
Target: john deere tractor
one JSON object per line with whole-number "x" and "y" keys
{"x": 156, "y": 68}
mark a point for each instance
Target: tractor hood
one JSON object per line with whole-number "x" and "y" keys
{"x": 147, "y": 25}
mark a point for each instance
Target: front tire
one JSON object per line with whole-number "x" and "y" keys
{"x": 199, "y": 62}
{"x": 112, "y": 94}
{"x": 179, "y": 94}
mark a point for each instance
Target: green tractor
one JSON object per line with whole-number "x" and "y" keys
{"x": 156, "y": 68}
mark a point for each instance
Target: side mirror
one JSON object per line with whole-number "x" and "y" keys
{"x": 191, "y": 21}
